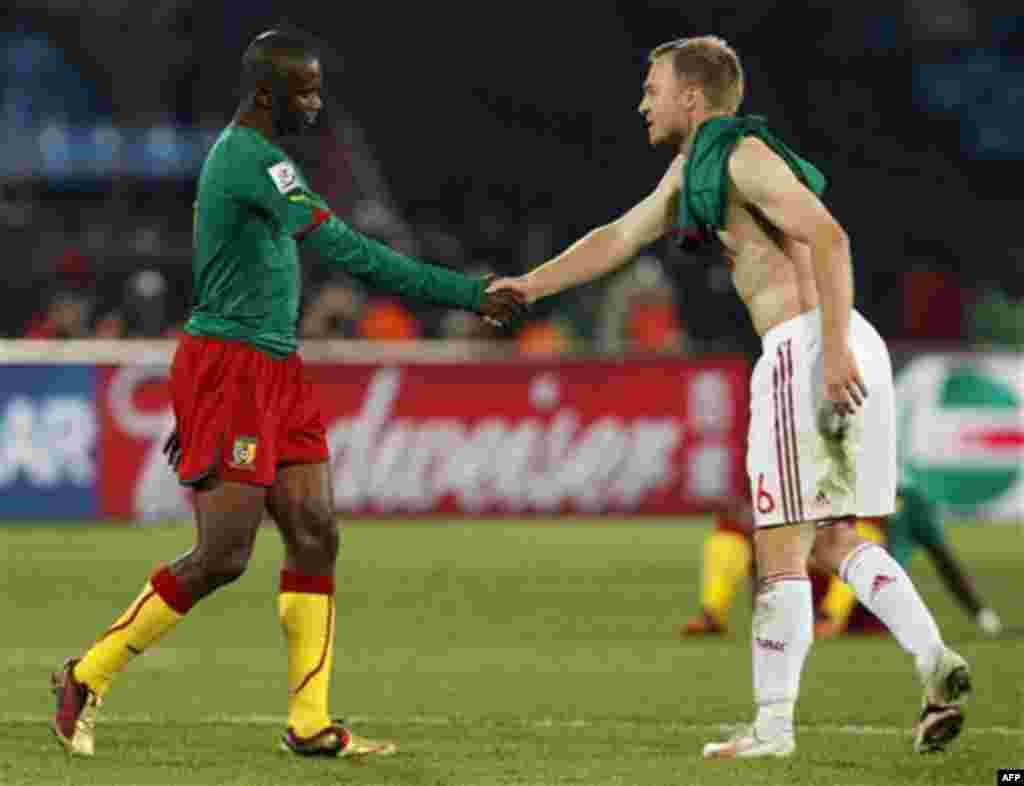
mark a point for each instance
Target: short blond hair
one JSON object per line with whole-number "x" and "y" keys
{"x": 712, "y": 63}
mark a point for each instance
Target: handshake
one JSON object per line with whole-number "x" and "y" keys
{"x": 506, "y": 301}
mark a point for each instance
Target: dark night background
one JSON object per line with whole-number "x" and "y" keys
{"x": 490, "y": 136}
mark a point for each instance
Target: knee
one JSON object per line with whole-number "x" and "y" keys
{"x": 782, "y": 551}
{"x": 834, "y": 544}
{"x": 224, "y": 567}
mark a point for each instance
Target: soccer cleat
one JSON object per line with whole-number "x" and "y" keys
{"x": 701, "y": 625}
{"x": 745, "y": 744}
{"x": 937, "y": 727}
{"x": 949, "y": 682}
{"x": 946, "y": 690}
{"x": 335, "y": 741}
{"x": 75, "y": 722}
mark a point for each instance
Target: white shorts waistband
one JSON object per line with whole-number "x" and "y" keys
{"x": 808, "y": 323}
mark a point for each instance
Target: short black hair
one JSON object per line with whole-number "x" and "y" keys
{"x": 264, "y": 57}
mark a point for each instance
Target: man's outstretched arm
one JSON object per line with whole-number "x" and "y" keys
{"x": 309, "y": 219}
{"x": 606, "y": 248}
{"x": 381, "y": 267}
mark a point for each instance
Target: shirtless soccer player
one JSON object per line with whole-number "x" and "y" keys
{"x": 821, "y": 449}
{"x": 249, "y": 435}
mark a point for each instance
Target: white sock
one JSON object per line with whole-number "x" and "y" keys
{"x": 783, "y": 632}
{"x": 887, "y": 591}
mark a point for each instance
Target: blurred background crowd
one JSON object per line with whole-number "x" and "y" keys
{"x": 489, "y": 137}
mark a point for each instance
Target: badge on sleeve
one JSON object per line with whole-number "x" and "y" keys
{"x": 284, "y": 176}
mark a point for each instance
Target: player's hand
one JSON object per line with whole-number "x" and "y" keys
{"x": 503, "y": 306}
{"x": 521, "y": 284}
{"x": 172, "y": 449}
{"x": 845, "y": 390}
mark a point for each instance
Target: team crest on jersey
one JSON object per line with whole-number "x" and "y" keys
{"x": 284, "y": 176}
{"x": 243, "y": 454}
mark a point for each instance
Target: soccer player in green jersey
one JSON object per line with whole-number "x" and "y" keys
{"x": 249, "y": 435}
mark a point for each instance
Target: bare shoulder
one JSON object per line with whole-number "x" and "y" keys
{"x": 760, "y": 174}
{"x": 752, "y": 146}
{"x": 752, "y": 157}
{"x": 766, "y": 183}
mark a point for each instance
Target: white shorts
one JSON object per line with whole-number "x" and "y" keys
{"x": 797, "y": 473}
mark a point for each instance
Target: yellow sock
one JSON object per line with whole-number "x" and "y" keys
{"x": 159, "y": 607}
{"x": 727, "y": 557}
{"x": 306, "y": 605}
{"x": 870, "y": 530}
{"x": 840, "y": 599}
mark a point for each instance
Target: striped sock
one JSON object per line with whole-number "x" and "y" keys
{"x": 306, "y": 605}
{"x": 160, "y": 606}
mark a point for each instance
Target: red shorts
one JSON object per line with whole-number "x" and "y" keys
{"x": 241, "y": 413}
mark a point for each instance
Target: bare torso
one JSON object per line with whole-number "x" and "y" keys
{"x": 773, "y": 276}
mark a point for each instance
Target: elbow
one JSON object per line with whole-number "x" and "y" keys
{"x": 831, "y": 241}
{"x": 838, "y": 240}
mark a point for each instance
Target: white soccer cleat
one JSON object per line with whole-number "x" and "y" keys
{"x": 745, "y": 744}
{"x": 946, "y": 690}
{"x": 949, "y": 682}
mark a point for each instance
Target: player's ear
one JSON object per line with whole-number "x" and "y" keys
{"x": 690, "y": 96}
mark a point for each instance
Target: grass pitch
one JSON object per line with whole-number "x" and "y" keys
{"x": 494, "y": 652}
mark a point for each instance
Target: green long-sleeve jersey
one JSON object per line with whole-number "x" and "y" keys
{"x": 253, "y": 209}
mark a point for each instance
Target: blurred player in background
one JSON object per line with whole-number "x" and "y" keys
{"x": 249, "y": 434}
{"x": 727, "y": 561}
{"x": 821, "y": 451}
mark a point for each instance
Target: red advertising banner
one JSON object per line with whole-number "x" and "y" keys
{"x": 133, "y": 407}
{"x": 636, "y": 436}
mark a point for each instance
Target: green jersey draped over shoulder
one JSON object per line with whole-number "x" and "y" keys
{"x": 252, "y": 210}
{"x": 706, "y": 175}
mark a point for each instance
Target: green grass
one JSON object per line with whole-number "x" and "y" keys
{"x": 494, "y": 652}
